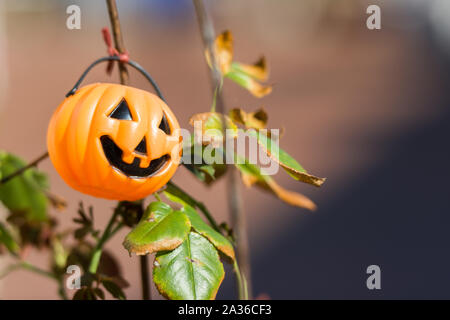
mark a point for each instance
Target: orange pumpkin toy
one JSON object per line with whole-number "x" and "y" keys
{"x": 113, "y": 141}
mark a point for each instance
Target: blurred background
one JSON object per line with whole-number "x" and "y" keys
{"x": 368, "y": 109}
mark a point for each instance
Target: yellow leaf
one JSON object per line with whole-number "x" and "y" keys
{"x": 259, "y": 90}
{"x": 56, "y": 201}
{"x": 255, "y": 120}
{"x": 238, "y": 115}
{"x": 280, "y": 133}
{"x": 301, "y": 176}
{"x": 305, "y": 177}
{"x": 252, "y": 175}
{"x": 245, "y": 75}
{"x": 248, "y": 179}
{"x": 223, "y": 51}
{"x": 293, "y": 198}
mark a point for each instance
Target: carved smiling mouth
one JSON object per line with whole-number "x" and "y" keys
{"x": 114, "y": 155}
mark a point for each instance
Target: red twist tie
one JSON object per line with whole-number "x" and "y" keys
{"x": 112, "y": 52}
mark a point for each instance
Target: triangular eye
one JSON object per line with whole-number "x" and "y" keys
{"x": 122, "y": 111}
{"x": 164, "y": 125}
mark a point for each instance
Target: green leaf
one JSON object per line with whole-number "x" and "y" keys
{"x": 25, "y": 192}
{"x": 246, "y": 167}
{"x": 7, "y": 240}
{"x": 192, "y": 271}
{"x": 195, "y": 170}
{"x": 99, "y": 293}
{"x": 86, "y": 293}
{"x": 80, "y": 294}
{"x": 160, "y": 228}
{"x": 40, "y": 179}
{"x": 180, "y": 195}
{"x": 218, "y": 240}
{"x": 208, "y": 169}
{"x": 114, "y": 289}
{"x": 251, "y": 174}
{"x": 292, "y": 167}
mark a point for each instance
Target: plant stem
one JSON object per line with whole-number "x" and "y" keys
{"x": 241, "y": 282}
{"x": 97, "y": 253}
{"x": 23, "y": 169}
{"x": 145, "y": 278}
{"x": 235, "y": 202}
{"x": 208, "y": 37}
{"x": 239, "y": 225}
{"x": 118, "y": 39}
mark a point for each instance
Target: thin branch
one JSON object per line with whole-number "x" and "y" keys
{"x": 208, "y": 37}
{"x": 145, "y": 277}
{"x": 233, "y": 183}
{"x": 242, "y": 283}
{"x": 9, "y": 269}
{"x": 239, "y": 226}
{"x": 118, "y": 39}
{"x": 27, "y": 266}
{"x": 23, "y": 169}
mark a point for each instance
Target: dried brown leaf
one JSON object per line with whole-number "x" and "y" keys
{"x": 267, "y": 183}
{"x": 56, "y": 201}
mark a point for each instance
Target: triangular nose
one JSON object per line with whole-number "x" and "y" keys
{"x": 142, "y": 147}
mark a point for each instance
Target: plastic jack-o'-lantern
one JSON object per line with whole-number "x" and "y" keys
{"x": 113, "y": 141}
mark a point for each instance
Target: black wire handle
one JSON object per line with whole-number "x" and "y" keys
{"x": 132, "y": 63}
